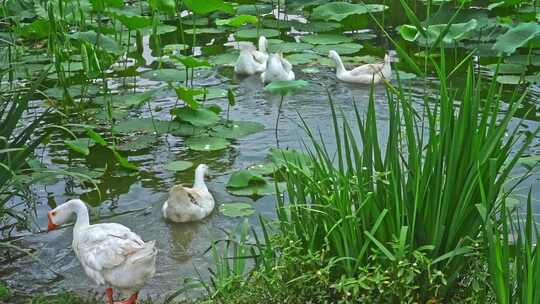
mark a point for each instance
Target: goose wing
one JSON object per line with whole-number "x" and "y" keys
{"x": 105, "y": 246}
{"x": 260, "y": 57}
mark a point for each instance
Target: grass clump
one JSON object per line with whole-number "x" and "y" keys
{"x": 398, "y": 221}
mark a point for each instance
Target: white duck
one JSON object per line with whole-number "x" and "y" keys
{"x": 366, "y": 73}
{"x": 277, "y": 68}
{"x": 251, "y": 60}
{"x": 111, "y": 254}
{"x": 189, "y": 204}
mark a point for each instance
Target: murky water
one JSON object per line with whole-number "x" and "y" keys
{"x": 135, "y": 199}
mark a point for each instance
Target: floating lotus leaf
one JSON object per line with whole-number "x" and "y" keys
{"x": 456, "y": 32}
{"x": 254, "y": 9}
{"x": 175, "y": 48}
{"x": 533, "y": 78}
{"x": 200, "y": 117}
{"x": 326, "y": 39}
{"x": 281, "y": 157}
{"x": 124, "y": 162}
{"x": 302, "y": 58}
{"x": 197, "y": 21}
{"x": 279, "y": 24}
{"x": 237, "y": 129}
{"x": 204, "y": 30}
{"x": 132, "y": 21}
{"x": 318, "y": 26}
{"x": 340, "y": 10}
{"x": 138, "y": 143}
{"x": 403, "y": 75}
{"x": 508, "y": 68}
{"x": 104, "y": 42}
{"x": 289, "y": 47}
{"x": 524, "y": 59}
{"x": 236, "y": 209}
{"x": 132, "y": 100}
{"x": 192, "y": 62}
{"x": 255, "y": 33}
{"x": 212, "y": 93}
{"x": 178, "y": 165}
{"x": 285, "y": 87}
{"x": 80, "y": 145}
{"x": 510, "y": 79}
{"x": 342, "y": 49}
{"x": 311, "y": 70}
{"x": 167, "y": 75}
{"x": 225, "y": 58}
{"x": 167, "y": 6}
{"x": 258, "y": 190}
{"x": 245, "y": 178}
{"x": 160, "y": 29}
{"x": 263, "y": 169}
{"x": 516, "y": 37}
{"x": 185, "y": 129}
{"x": 238, "y": 20}
{"x": 208, "y": 6}
{"x": 207, "y": 143}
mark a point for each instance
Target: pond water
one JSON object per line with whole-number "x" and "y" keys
{"x": 135, "y": 199}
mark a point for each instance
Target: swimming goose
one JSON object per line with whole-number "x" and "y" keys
{"x": 277, "y": 68}
{"x": 189, "y": 204}
{"x": 366, "y": 73}
{"x": 110, "y": 254}
{"x": 251, "y": 60}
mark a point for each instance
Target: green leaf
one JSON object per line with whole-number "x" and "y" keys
{"x": 166, "y": 6}
{"x": 326, "y": 39}
{"x": 289, "y": 47}
{"x": 255, "y": 33}
{"x": 187, "y": 95}
{"x": 509, "y": 79}
{"x": 237, "y": 129}
{"x": 208, "y": 6}
{"x": 257, "y": 190}
{"x": 455, "y": 33}
{"x": 207, "y": 143}
{"x": 167, "y": 75}
{"x": 79, "y": 145}
{"x": 245, "y": 178}
{"x": 281, "y": 157}
{"x": 124, "y": 163}
{"x": 230, "y": 97}
{"x": 238, "y": 21}
{"x": 340, "y": 10}
{"x": 136, "y": 100}
{"x": 145, "y": 125}
{"x": 342, "y": 49}
{"x": 236, "y": 209}
{"x": 263, "y": 169}
{"x": 104, "y": 42}
{"x": 200, "y": 117}
{"x": 508, "y": 68}
{"x": 192, "y": 62}
{"x": 96, "y": 137}
{"x": 175, "y": 48}
{"x": 131, "y": 21}
{"x": 516, "y": 37}
{"x": 256, "y": 9}
{"x": 285, "y": 87}
{"x": 178, "y": 165}
{"x": 303, "y": 58}
{"x": 136, "y": 143}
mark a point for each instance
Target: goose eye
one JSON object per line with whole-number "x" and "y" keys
{"x": 53, "y": 213}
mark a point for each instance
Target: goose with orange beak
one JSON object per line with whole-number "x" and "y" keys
{"x": 110, "y": 254}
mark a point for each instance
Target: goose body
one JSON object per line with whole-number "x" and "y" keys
{"x": 365, "y": 74}
{"x": 189, "y": 204}
{"x": 252, "y": 61}
{"x": 110, "y": 254}
{"x": 277, "y": 68}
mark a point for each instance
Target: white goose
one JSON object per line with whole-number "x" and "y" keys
{"x": 110, "y": 254}
{"x": 277, "y": 68}
{"x": 366, "y": 73}
{"x": 251, "y": 61}
{"x": 189, "y": 204}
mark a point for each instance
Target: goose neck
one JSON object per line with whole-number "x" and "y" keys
{"x": 340, "y": 68}
{"x": 80, "y": 210}
{"x": 199, "y": 179}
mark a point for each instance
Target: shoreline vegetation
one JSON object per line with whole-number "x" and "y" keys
{"x": 430, "y": 205}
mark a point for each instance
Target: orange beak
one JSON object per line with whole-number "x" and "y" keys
{"x": 50, "y": 224}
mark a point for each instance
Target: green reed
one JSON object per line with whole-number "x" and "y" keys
{"x": 419, "y": 185}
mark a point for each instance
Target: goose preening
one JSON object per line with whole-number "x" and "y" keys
{"x": 110, "y": 254}
{"x": 251, "y": 61}
{"x": 189, "y": 204}
{"x": 277, "y": 68}
{"x": 366, "y": 73}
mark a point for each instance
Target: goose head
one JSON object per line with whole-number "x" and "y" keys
{"x": 63, "y": 213}
{"x": 333, "y": 55}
